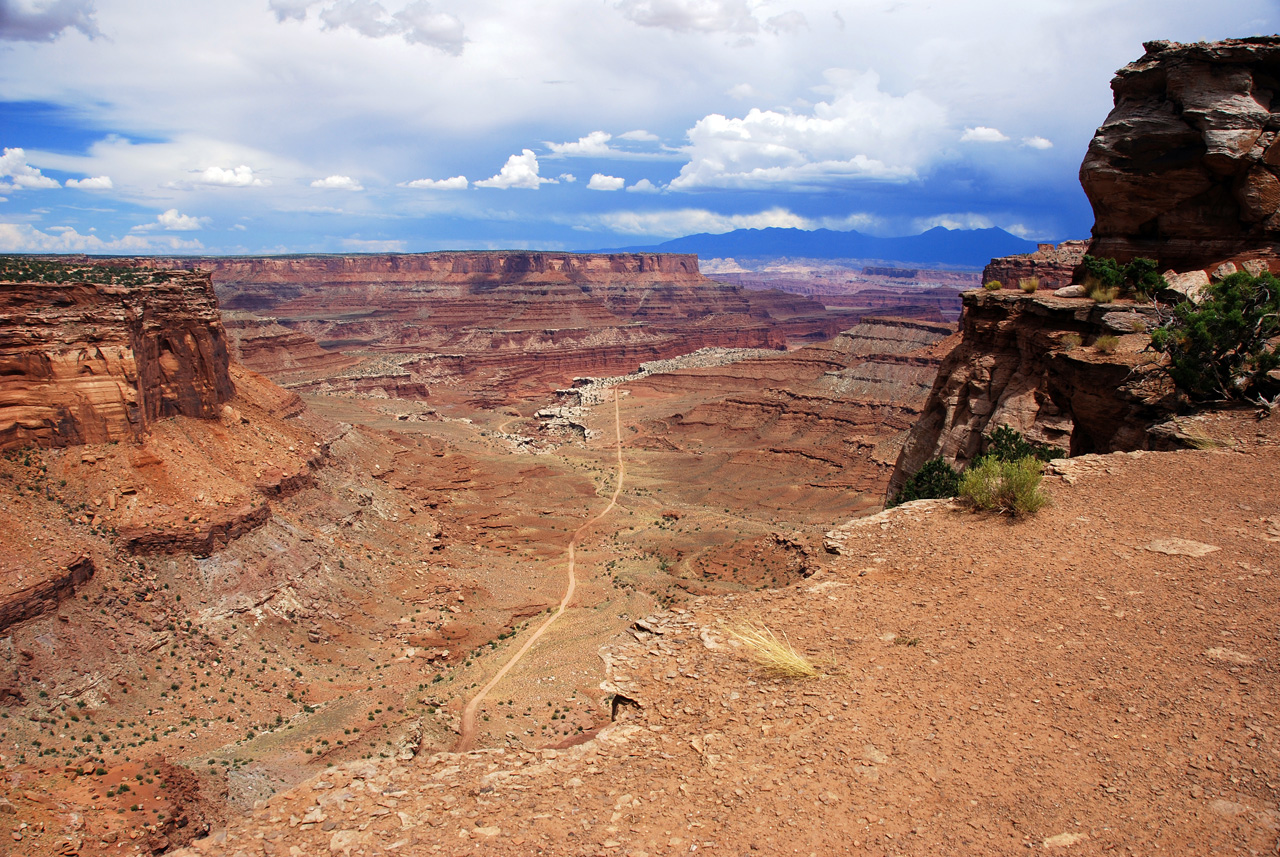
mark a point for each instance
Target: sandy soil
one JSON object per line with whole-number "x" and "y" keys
{"x": 1098, "y": 678}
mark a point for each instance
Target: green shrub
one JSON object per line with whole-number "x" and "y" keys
{"x": 993, "y": 285}
{"x": 1011, "y": 487}
{"x": 935, "y": 479}
{"x": 1219, "y": 349}
{"x": 1106, "y": 279}
{"x": 1008, "y": 444}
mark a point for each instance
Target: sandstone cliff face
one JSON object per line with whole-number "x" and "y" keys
{"x": 1053, "y": 265}
{"x": 1186, "y": 168}
{"x": 492, "y": 322}
{"x": 91, "y": 363}
{"x": 1015, "y": 365}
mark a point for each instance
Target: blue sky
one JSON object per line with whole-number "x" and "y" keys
{"x": 259, "y": 126}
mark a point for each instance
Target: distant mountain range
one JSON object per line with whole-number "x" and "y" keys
{"x": 967, "y": 248}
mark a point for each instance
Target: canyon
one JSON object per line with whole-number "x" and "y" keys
{"x": 457, "y": 552}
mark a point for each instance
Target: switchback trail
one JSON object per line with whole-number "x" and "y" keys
{"x": 467, "y": 730}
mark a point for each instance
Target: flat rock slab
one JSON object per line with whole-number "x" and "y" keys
{"x": 1181, "y": 547}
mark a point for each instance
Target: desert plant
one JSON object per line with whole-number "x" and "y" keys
{"x": 1029, "y": 284}
{"x": 993, "y": 285}
{"x": 1070, "y": 341}
{"x": 1220, "y": 348}
{"x": 935, "y": 479}
{"x": 776, "y": 657}
{"x": 1100, "y": 293}
{"x": 1008, "y": 444}
{"x": 1106, "y": 344}
{"x": 1012, "y": 487}
{"x": 1105, "y": 279}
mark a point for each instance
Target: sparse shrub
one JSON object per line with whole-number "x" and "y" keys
{"x": 935, "y": 479}
{"x": 776, "y": 657}
{"x": 1106, "y": 279}
{"x": 1011, "y": 487}
{"x": 1070, "y": 341}
{"x": 1106, "y": 344}
{"x": 1029, "y": 284}
{"x": 993, "y": 285}
{"x": 1098, "y": 293}
{"x": 1219, "y": 349}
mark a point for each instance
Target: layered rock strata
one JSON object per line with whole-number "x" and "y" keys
{"x": 1031, "y": 363}
{"x": 1186, "y": 168}
{"x": 92, "y": 363}
{"x": 509, "y": 319}
{"x": 1052, "y": 264}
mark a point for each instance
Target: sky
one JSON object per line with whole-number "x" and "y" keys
{"x": 290, "y": 126}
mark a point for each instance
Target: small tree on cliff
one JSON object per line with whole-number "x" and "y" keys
{"x": 1223, "y": 347}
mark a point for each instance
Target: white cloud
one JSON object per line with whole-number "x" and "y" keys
{"x": 961, "y": 220}
{"x": 568, "y": 178}
{"x": 173, "y": 221}
{"x": 94, "y": 183}
{"x": 418, "y": 23}
{"x": 595, "y": 144}
{"x": 20, "y": 175}
{"x": 741, "y": 91}
{"x": 455, "y": 183}
{"x": 44, "y": 21}
{"x": 1037, "y": 143}
{"x": 643, "y": 186}
{"x": 640, "y": 136}
{"x": 982, "y": 134}
{"x": 241, "y": 176}
{"x": 686, "y": 221}
{"x": 787, "y": 22}
{"x": 338, "y": 183}
{"x": 24, "y": 238}
{"x": 705, "y": 16}
{"x": 600, "y": 181}
{"x": 519, "y": 171}
{"x": 860, "y": 133}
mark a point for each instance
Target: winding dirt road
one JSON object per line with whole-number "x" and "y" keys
{"x": 467, "y": 730}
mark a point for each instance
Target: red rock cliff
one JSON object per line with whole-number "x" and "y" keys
{"x": 1186, "y": 168}
{"x": 91, "y": 363}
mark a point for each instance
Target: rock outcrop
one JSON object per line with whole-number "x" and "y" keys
{"x": 91, "y": 363}
{"x": 1030, "y": 363}
{"x": 20, "y": 604}
{"x": 1186, "y": 168}
{"x": 492, "y": 321}
{"x": 1052, "y": 264}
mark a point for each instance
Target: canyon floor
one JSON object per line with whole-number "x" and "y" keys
{"x": 1098, "y": 678}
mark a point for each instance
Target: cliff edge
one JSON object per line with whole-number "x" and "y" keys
{"x": 95, "y": 362}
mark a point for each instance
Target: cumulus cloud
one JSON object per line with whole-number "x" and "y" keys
{"x": 241, "y": 176}
{"x": 568, "y": 178}
{"x": 1037, "y": 143}
{"x": 643, "y": 186}
{"x": 173, "y": 221}
{"x": 703, "y": 16}
{"x": 982, "y": 134}
{"x": 960, "y": 220}
{"x": 595, "y": 144}
{"x": 24, "y": 238}
{"x": 45, "y": 20}
{"x": 860, "y": 133}
{"x": 600, "y": 181}
{"x": 17, "y": 174}
{"x": 639, "y": 136}
{"x": 94, "y": 183}
{"x": 455, "y": 183}
{"x": 519, "y": 171}
{"x": 338, "y": 183}
{"x": 686, "y": 221}
{"x": 418, "y": 23}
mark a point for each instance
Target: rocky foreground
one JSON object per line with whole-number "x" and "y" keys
{"x": 1097, "y": 678}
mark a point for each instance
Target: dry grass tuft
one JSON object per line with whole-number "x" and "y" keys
{"x": 777, "y": 657}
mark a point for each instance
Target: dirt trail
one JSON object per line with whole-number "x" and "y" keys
{"x": 467, "y": 730}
